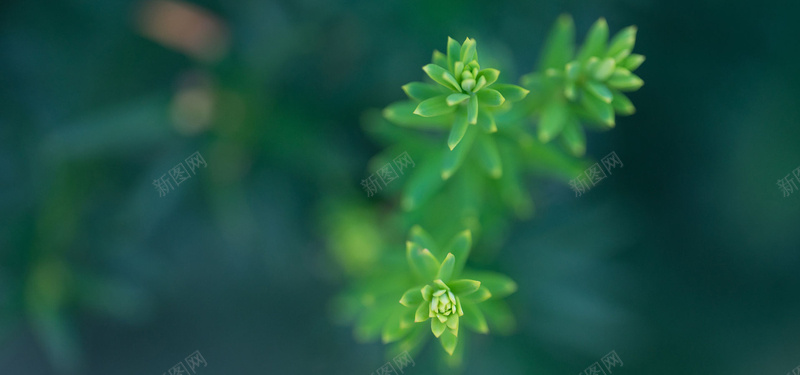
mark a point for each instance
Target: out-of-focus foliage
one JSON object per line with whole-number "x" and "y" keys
{"x": 584, "y": 86}
{"x": 491, "y": 146}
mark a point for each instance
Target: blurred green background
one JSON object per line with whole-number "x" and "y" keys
{"x": 684, "y": 261}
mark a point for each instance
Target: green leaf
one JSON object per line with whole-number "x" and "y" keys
{"x": 574, "y": 137}
{"x": 621, "y": 44}
{"x": 442, "y": 76}
{"x": 421, "y": 91}
{"x": 402, "y": 114}
{"x": 412, "y": 297}
{"x": 560, "y": 44}
{"x": 449, "y": 341}
{"x": 472, "y": 110}
{"x": 572, "y": 70}
{"x": 453, "y": 52}
{"x": 486, "y": 122}
{"x": 490, "y": 97}
{"x": 439, "y": 59}
{"x": 488, "y": 156}
{"x": 446, "y": 269}
{"x": 599, "y": 90}
{"x": 552, "y": 120}
{"x": 490, "y": 75}
{"x": 422, "y": 184}
{"x": 460, "y": 246}
{"x": 452, "y": 323}
{"x": 421, "y": 314}
{"x": 422, "y": 261}
{"x": 603, "y": 69}
{"x": 454, "y": 99}
{"x": 437, "y": 327}
{"x": 512, "y": 93}
{"x": 435, "y": 106}
{"x": 474, "y": 319}
{"x": 598, "y": 109}
{"x": 482, "y": 294}
{"x": 468, "y": 50}
{"x": 595, "y": 44}
{"x": 427, "y": 292}
{"x": 464, "y": 287}
{"x": 498, "y": 284}
{"x": 394, "y": 329}
{"x": 422, "y": 238}
{"x": 499, "y": 316}
{"x": 632, "y": 62}
{"x": 457, "y": 132}
{"x": 622, "y": 79}
{"x": 453, "y": 159}
{"x": 622, "y": 105}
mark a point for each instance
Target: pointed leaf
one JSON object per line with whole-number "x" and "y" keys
{"x": 421, "y": 91}
{"x": 622, "y": 105}
{"x": 457, "y": 132}
{"x": 435, "y": 106}
{"x": 423, "y": 183}
{"x": 472, "y": 110}
{"x": 595, "y": 44}
{"x": 623, "y": 80}
{"x": 474, "y": 319}
{"x": 486, "y": 122}
{"x": 488, "y": 156}
{"x": 412, "y": 297}
{"x": 422, "y": 262}
{"x": 598, "y": 109}
{"x": 599, "y": 90}
{"x": 512, "y": 93}
{"x": 457, "y": 98}
{"x": 468, "y": 50}
{"x": 427, "y": 292}
{"x": 453, "y": 52}
{"x": 394, "y": 329}
{"x": 464, "y": 287}
{"x": 439, "y": 59}
{"x": 574, "y": 137}
{"x": 499, "y": 316}
{"x": 460, "y": 247}
{"x": 560, "y": 44}
{"x": 423, "y": 239}
{"x": 437, "y": 327}
{"x": 442, "y": 76}
{"x": 621, "y": 44}
{"x": 402, "y": 114}
{"x": 554, "y": 116}
{"x": 449, "y": 341}
{"x": 482, "y": 294}
{"x": 603, "y": 69}
{"x": 452, "y": 323}
{"x": 453, "y": 159}
{"x": 632, "y": 62}
{"x": 421, "y": 314}
{"x": 490, "y": 75}
{"x": 490, "y": 97}
{"x": 498, "y": 284}
{"x": 446, "y": 269}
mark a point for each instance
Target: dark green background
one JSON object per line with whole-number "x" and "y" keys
{"x": 684, "y": 261}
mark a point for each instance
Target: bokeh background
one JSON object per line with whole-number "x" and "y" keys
{"x": 684, "y": 261}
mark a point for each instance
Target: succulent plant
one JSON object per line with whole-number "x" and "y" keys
{"x": 462, "y": 93}
{"x": 444, "y": 297}
{"x": 583, "y": 87}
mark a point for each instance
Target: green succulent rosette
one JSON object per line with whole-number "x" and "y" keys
{"x": 445, "y": 296}
{"x": 462, "y": 93}
{"x": 584, "y": 87}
